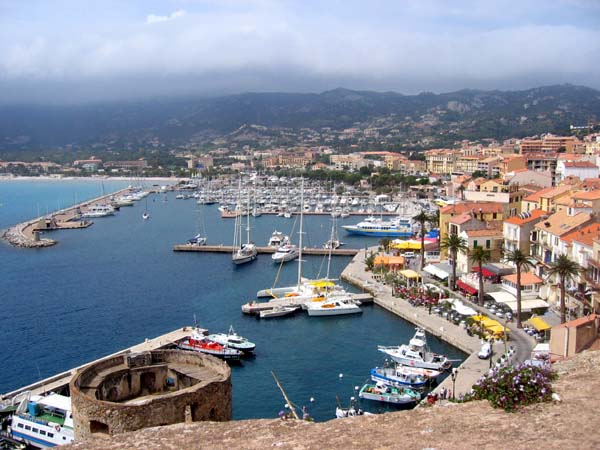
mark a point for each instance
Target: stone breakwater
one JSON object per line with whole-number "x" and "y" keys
{"x": 24, "y": 235}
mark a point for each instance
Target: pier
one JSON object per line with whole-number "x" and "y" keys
{"x": 60, "y": 382}
{"x": 255, "y": 307}
{"x": 264, "y": 250}
{"x": 27, "y": 234}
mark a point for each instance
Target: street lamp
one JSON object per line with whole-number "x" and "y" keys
{"x": 491, "y": 352}
{"x": 453, "y": 375}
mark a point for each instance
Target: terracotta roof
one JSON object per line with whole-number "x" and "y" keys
{"x": 548, "y": 192}
{"x": 534, "y": 215}
{"x": 459, "y": 220}
{"x": 526, "y": 278}
{"x": 560, "y": 223}
{"x": 461, "y": 208}
{"x": 581, "y": 164}
{"x": 569, "y": 156}
{"x": 484, "y": 232}
{"x": 578, "y": 322}
{"x": 584, "y": 235}
{"x": 587, "y": 195}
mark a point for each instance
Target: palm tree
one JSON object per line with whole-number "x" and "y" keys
{"x": 423, "y": 218}
{"x": 522, "y": 262}
{"x": 565, "y": 269}
{"x": 385, "y": 244}
{"x": 480, "y": 256}
{"x": 453, "y": 243}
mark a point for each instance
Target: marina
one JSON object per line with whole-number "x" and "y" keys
{"x": 102, "y": 320}
{"x": 263, "y": 250}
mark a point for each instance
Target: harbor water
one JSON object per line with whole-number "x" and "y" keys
{"x": 118, "y": 282}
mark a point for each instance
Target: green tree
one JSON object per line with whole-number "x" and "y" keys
{"x": 423, "y": 218}
{"x": 385, "y": 243}
{"x": 565, "y": 270}
{"x": 453, "y": 244}
{"x": 522, "y": 263}
{"x": 480, "y": 256}
{"x": 370, "y": 261}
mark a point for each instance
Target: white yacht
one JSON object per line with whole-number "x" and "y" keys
{"x": 95, "y": 211}
{"x": 416, "y": 353}
{"x": 233, "y": 340}
{"x": 333, "y": 307}
{"x": 278, "y": 239}
{"x": 286, "y": 253}
{"x": 43, "y": 421}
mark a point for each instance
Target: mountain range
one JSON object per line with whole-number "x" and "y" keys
{"x": 465, "y": 114}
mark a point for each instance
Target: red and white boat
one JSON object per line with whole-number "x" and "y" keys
{"x": 199, "y": 343}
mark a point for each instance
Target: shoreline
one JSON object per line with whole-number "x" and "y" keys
{"x": 469, "y": 370}
{"x": 107, "y": 178}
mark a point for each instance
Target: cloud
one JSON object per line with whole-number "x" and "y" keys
{"x": 152, "y": 18}
{"x": 265, "y": 45}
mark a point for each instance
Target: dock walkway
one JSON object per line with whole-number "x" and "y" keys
{"x": 263, "y": 250}
{"x": 255, "y": 307}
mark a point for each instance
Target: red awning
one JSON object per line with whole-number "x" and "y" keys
{"x": 465, "y": 287}
{"x": 484, "y": 271}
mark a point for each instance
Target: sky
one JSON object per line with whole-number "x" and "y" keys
{"x": 70, "y": 51}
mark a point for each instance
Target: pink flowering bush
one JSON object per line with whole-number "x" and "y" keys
{"x": 513, "y": 387}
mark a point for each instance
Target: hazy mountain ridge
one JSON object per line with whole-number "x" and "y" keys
{"x": 463, "y": 114}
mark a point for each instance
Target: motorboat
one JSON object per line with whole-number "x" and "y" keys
{"x": 397, "y": 375}
{"x": 285, "y": 253}
{"x": 373, "y": 226}
{"x": 278, "y": 311}
{"x": 332, "y": 307}
{"x": 43, "y": 421}
{"x": 233, "y": 340}
{"x": 278, "y": 239}
{"x": 95, "y": 211}
{"x": 389, "y": 394}
{"x": 199, "y": 343}
{"x": 416, "y": 353}
{"x": 197, "y": 240}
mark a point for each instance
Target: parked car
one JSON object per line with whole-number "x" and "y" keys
{"x": 485, "y": 352}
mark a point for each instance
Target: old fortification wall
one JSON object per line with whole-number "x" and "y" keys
{"x": 570, "y": 423}
{"x": 118, "y": 395}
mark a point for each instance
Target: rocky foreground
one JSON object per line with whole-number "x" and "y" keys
{"x": 571, "y": 423}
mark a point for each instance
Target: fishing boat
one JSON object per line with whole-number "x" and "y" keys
{"x": 233, "y": 340}
{"x": 278, "y": 311}
{"x": 373, "y": 226}
{"x": 332, "y": 307}
{"x": 416, "y": 353}
{"x": 43, "y": 421}
{"x": 397, "y": 375}
{"x": 285, "y": 253}
{"x": 199, "y": 343}
{"x": 389, "y": 394}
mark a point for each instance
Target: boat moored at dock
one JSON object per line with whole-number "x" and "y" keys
{"x": 200, "y": 343}
{"x": 233, "y": 340}
{"x": 389, "y": 394}
{"x": 416, "y": 353}
{"x": 373, "y": 226}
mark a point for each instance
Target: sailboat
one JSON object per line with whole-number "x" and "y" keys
{"x": 200, "y": 238}
{"x": 247, "y": 252}
{"x": 146, "y": 214}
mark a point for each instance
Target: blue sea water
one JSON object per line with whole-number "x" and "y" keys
{"x": 118, "y": 282}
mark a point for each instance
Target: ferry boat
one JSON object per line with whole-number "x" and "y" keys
{"x": 43, "y": 421}
{"x": 233, "y": 340}
{"x": 373, "y": 226}
{"x": 416, "y": 353}
{"x": 389, "y": 394}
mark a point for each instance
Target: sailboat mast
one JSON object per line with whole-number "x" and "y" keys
{"x": 248, "y": 216}
{"x": 300, "y": 233}
{"x": 330, "y": 246}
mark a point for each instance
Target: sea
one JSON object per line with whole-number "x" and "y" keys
{"x": 118, "y": 282}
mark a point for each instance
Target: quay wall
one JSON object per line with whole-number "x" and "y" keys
{"x": 208, "y": 398}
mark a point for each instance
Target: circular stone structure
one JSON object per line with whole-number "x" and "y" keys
{"x": 148, "y": 389}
